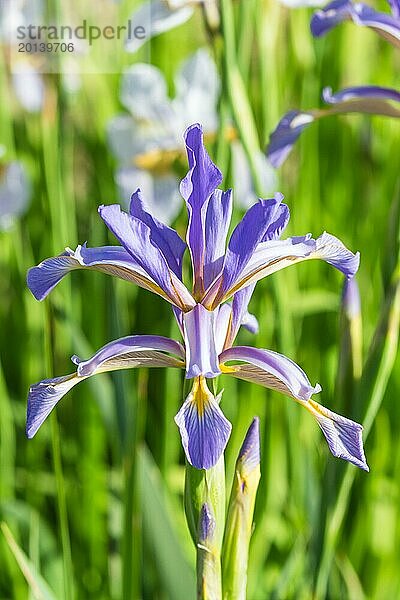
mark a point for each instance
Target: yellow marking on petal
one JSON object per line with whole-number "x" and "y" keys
{"x": 200, "y": 394}
{"x": 228, "y": 368}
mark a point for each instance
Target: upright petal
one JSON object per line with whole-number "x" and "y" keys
{"x": 259, "y": 222}
{"x": 125, "y": 353}
{"x": 200, "y": 344}
{"x": 166, "y": 238}
{"x": 203, "y": 427}
{"x": 154, "y": 17}
{"x": 218, "y": 218}
{"x": 137, "y": 239}
{"x": 196, "y": 188}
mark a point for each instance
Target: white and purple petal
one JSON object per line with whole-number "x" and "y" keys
{"x": 125, "y": 353}
{"x": 218, "y": 218}
{"x": 203, "y": 427}
{"x": 260, "y": 221}
{"x": 196, "y": 188}
{"x": 167, "y": 240}
{"x": 332, "y": 14}
{"x": 200, "y": 343}
{"x": 343, "y": 435}
{"x": 269, "y": 369}
{"x": 113, "y": 260}
{"x": 136, "y": 237}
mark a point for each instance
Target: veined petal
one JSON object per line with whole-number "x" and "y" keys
{"x": 277, "y": 372}
{"x": 276, "y": 255}
{"x": 203, "y": 427}
{"x": 344, "y": 436}
{"x": 196, "y": 188}
{"x": 155, "y": 17}
{"x": 125, "y": 353}
{"x": 259, "y": 222}
{"x": 136, "y": 237}
{"x": 113, "y": 260}
{"x": 164, "y": 237}
{"x": 201, "y": 351}
{"x": 223, "y": 323}
{"x": 126, "y": 345}
{"x": 218, "y": 218}
{"x": 269, "y": 369}
{"x": 239, "y": 311}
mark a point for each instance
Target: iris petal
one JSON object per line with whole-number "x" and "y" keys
{"x": 201, "y": 349}
{"x": 203, "y": 427}
{"x": 136, "y": 237}
{"x": 113, "y": 260}
{"x": 196, "y": 188}
{"x": 344, "y": 436}
{"x": 125, "y": 353}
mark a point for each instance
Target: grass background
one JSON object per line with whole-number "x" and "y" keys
{"x": 92, "y": 507}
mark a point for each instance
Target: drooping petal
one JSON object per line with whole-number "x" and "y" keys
{"x": 113, "y": 260}
{"x": 276, "y": 255}
{"x": 218, "y": 218}
{"x": 344, "y": 436}
{"x": 136, "y": 237}
{"x": 203, "y": 427}
{"x": 269, "y": 369}
{"x": 200, "y": 344}
{"x": 166, "y": 238}
{"x": 366, "y": 99}
{"x": 277, "y": 372}
{"x": 260, "y": 221}
{"x": 125, "y": 353}
{"x": 196, "y": 188}
{"x": 387, "y": 26}
{"x": 154, "y": 17}
{"x": 126, "y": 345}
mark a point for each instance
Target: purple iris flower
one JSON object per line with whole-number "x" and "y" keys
{"x": 386, "y": 25}
{"x": 369, "y": 99}
{"x": 210, "y": 315}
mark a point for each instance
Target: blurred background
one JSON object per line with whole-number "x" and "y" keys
{"x": 92, "y": 507}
